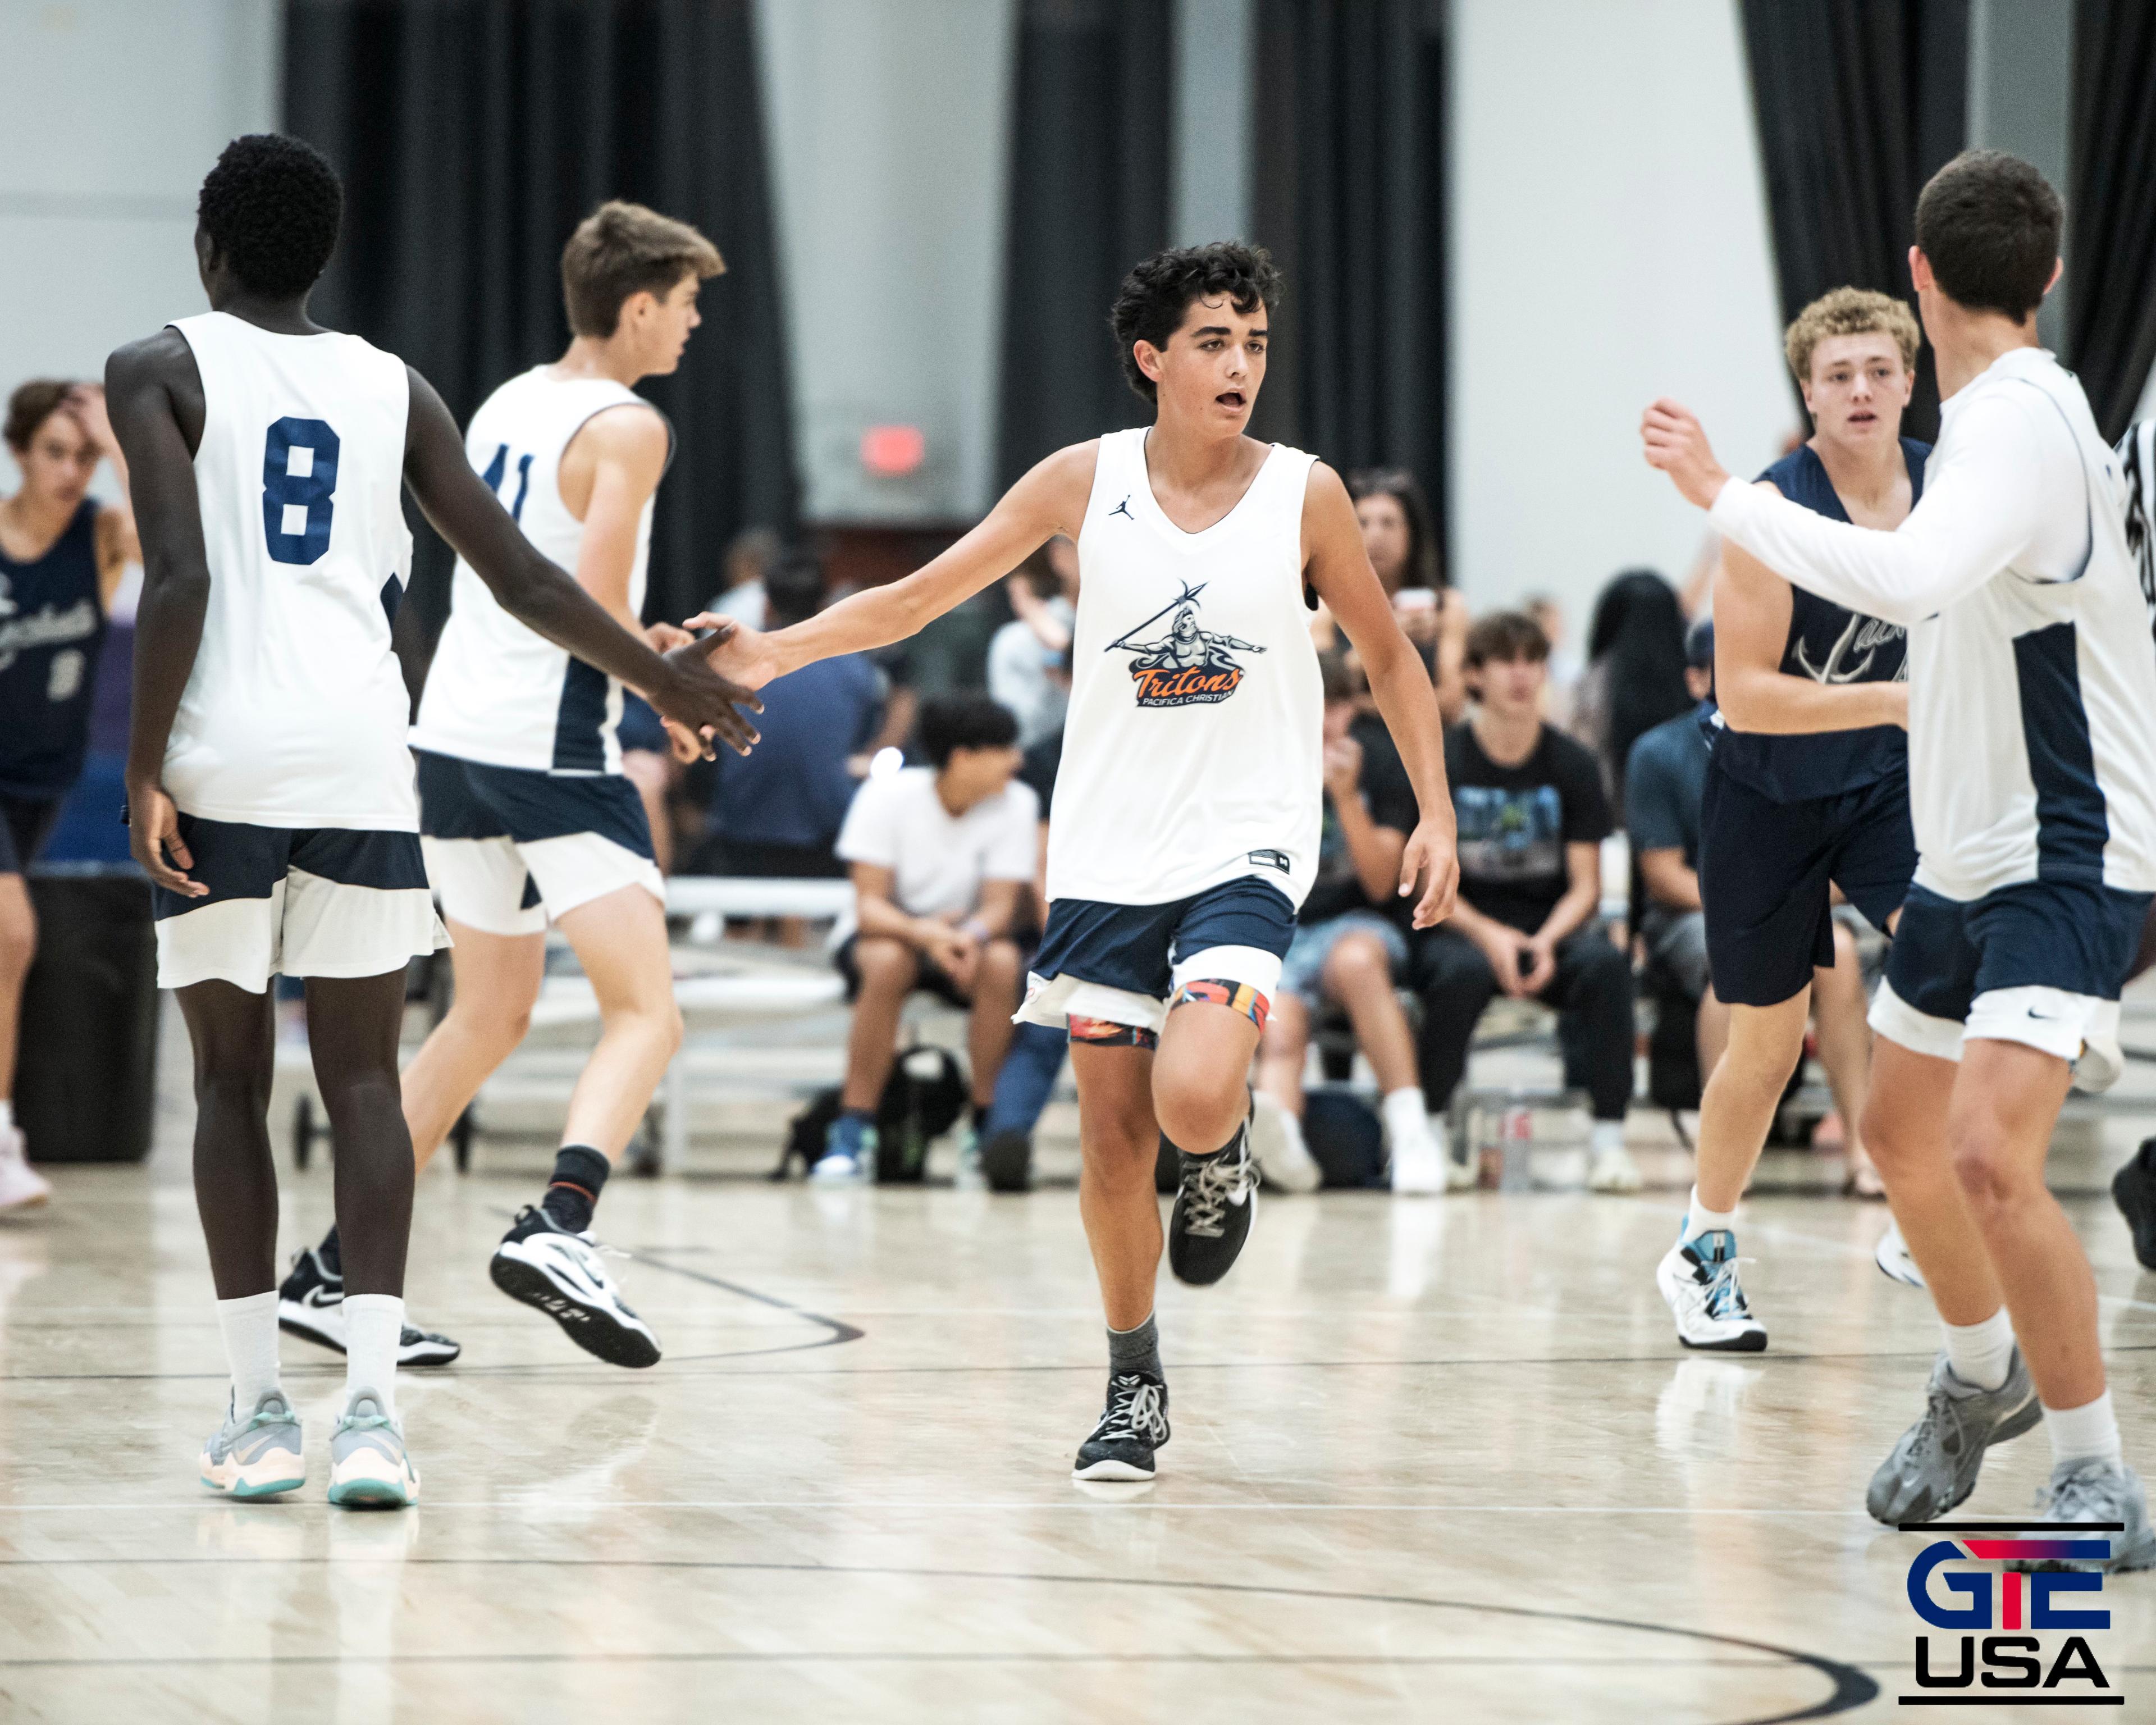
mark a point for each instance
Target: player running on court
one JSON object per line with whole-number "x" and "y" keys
{"x": 1807, "y": 786}
{"x": 526, "y": 814}
{"x": 1185, "y": 827}
{"x": 268, "y": 779}
{"x": 2032, "y": 779}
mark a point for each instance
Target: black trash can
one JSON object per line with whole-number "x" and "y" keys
{"x": 86, "y": 1067}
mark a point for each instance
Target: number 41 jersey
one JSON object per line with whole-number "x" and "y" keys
{"x": 294, "y": 714}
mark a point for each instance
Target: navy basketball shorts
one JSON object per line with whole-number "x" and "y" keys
{"x": 1765, "y": 871}
{"x": 509, "y": 847}
{"x": 2039, "y": 962}
{"x": 1122, "y": 964}
{"x": 324, "y": 902}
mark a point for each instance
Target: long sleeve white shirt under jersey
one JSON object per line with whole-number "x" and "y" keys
{"x": 2032, "y": 670}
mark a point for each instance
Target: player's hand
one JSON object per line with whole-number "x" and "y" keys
{"x": 1343, "y": 767}
{"x": 1430, "y": 861}
{"x": 153, "y": 835}
{"x": 1541, "y": 957}
{"x": 1676, "y": 443}
{"x": 666, "y": 637}
{"x": 703, "y": 701}
{"x": 745, "y": 654}
{"x": 685, "y": 746}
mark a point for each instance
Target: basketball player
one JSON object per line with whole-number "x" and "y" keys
{"x": 2032, "y": 781}
{"x": 268, "y": 779}
{"x": 1807, "y": 784}
{"x": 526, "y": 814}
{"x": 1185, "y": 828}
{"x": 62, "y": 553}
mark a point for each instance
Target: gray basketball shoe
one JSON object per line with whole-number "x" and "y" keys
{"x": 368, "y": 1466}
{"x": 257, "y": 1455}
{"x": 2091, "y": 1489}
{"x": 1934, "y": 1467}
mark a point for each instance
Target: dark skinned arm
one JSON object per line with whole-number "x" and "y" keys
{"x": 153, "y": 393}
{"x": 546, "y": 598}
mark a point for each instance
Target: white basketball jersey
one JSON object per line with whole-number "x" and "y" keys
{"x": 498, "y": 692}
{"x": 294, "y": 713}
{"x": 1193, "y": 752}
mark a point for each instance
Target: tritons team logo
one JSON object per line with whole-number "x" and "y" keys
{"x": 1188, "y": 666}
{"x": 1980, "y": 1664}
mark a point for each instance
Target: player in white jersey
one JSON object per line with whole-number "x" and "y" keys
{"x": 1185, "y": 826}
{"x": 2032, "y": 781}
{"x": 526, "y": 815}
{"x": 268, "y": 780}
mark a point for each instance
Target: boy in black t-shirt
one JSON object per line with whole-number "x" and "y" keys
{"x": 1349, "y": 948}
{"x": 1532, "y": 818}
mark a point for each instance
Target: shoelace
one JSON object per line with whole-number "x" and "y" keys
{"x": 1725, "y": 1295}
{"x": 2079, "y": 1496}
{"x": 1136, "y": 1410}
{"x": 1217, "y": 1180}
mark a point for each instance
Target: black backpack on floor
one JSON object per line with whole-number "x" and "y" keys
{"x": 922, "y": 1100}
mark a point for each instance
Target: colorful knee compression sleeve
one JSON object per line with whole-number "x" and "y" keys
{"x": 1107, "y": 1033}
{"x": 1236, "y": 997}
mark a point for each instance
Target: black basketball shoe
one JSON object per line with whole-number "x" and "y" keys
{"x": 311, "y": 1304}
{"x": 2133, "y": 1190}
{"x": 1214, "y": 1205}
{"x": 1007, "y": 1161}
{"x": 1132, "y": 1426}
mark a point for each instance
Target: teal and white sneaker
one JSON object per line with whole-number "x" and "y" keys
{"x": 1698, "y": 1278}
{"x": 258, "y": 1456}
{"x": 849, "y": 1153}
{"x": 368, "y": 1467}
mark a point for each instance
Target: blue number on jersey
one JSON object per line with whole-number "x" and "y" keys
{"x": 492, "y": 480}
{"x": 298, "y": 473}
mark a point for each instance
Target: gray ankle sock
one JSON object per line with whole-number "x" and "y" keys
{"x": 1136, "y": 1350}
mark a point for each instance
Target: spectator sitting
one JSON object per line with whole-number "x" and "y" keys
{"x": 1349, "y": 951}
{"x": 778, "y": 809}
{"x": 1665, "y": 781}
{"x": 1635, "y": 675}
{"x": 1029, "y": 657}
{"x": 1401, "y": 542}
{"x": 1531, "y": 821}
{"x": 741, "y": 594}
{"x": 940, "y": 854}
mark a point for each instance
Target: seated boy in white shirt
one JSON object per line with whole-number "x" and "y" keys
{"x": 939, "y": 855}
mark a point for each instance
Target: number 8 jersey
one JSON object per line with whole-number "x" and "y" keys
{"x": 294, "y": 716}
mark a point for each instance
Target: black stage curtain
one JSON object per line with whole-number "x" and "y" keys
{"x": 1350, "y": 198}
{"x": 1090, "y": 133}
{"x": 1859, "y": 102}
{"x": 2111, "y": 207}
{"x": 473, "y": 136}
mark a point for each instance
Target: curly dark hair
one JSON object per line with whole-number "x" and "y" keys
{"x": 272, "y": 207}
{"x": 1155, "y": 295}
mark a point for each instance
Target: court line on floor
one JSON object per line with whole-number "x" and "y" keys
{"x": 1852, "y": 1687}
{"x": 1136, "y": 1501}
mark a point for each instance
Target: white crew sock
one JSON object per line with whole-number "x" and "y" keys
{"x": 373, "y": 1325}
{"x": 1699, "y": 1219}
{"x": 7, "y": 1113}
{"x": 1403, "y": 1113}
{"x": 1603, "y": 1135}
{"x": 1982, "y": 1353}
{"x": 2091, "y": 1430}
{"x": 250, "y": 1346}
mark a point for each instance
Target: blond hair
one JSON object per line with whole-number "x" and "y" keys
{"x": 621, "y": 250}
{"x": 1849, "y": 311}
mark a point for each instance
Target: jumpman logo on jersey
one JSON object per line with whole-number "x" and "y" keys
{"x": 1123, "y": 509}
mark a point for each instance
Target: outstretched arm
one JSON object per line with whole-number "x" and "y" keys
{"x": 681, "y": 685}
{"x": 153, "y": 393}
{"x": 1980, "y": 510}
{"x": 1339, "y": 571}
{"x": 1752, "y": 607}
{"x": 1050, "y": 499}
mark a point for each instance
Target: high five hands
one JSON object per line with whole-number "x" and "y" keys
{"x": 1676, "y": 443}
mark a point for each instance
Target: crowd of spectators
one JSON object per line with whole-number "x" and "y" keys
{"x": 926, "y": 774}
